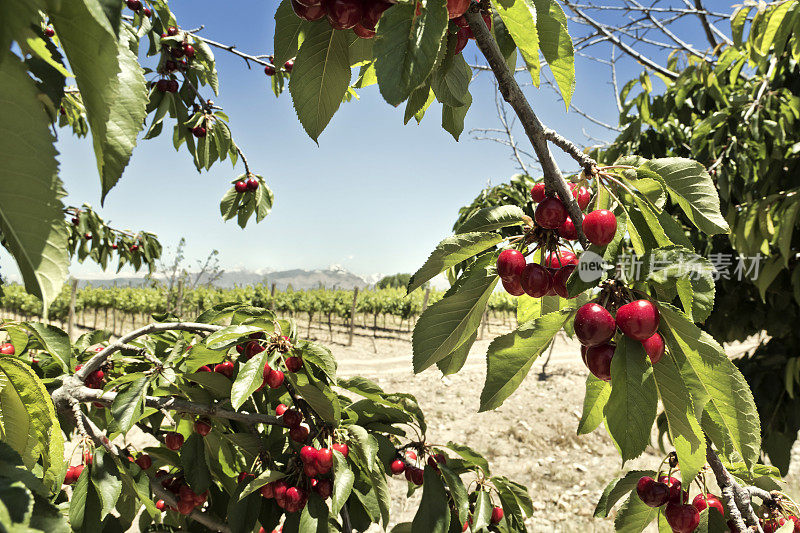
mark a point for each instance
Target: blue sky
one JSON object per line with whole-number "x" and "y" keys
{"x": 375, "y": 196}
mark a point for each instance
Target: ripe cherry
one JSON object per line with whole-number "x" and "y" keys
{"x": 274, "y": 378}
{"x": 309, "y": 13}
{"x": 372, "y": 13}
{"x": 188, "y": 50}
{"x": 702, "y": 501}
{"x": 280, "y": 409}
{"x": 252, "y": 184}
{"x": 324, "y": 460}
{"x": 176, "y": 52}
{"x": 462, "y": 39}
{"x": 550, "y": 213}
{"x": 513, "y": 287}
{"x": 536, "y": 280}
{"x": 417, "y": 475}
{"x": 397, "y": 467}
{"x": 185, "y": 507}
{"x": 510, "y": 264}
{"x": 225, "y": 368}
{"x": 299, "y": 433}
{"x": 568, "y": 231}
{"x": 144, "y": 461}
{"x": 293, "y": 364}
{"x": 676, "y": 495}
{"x": 269, "y": 70}
{"x": 199, "y": 132}
{"x": 497, "y": 515}
{"x": 363, "y": 32}
{"x": 638, "y": 319}
{"x": 594, "y": 324}
{"x": 172, "y": 86}
{"x": 173, "y": 440}
{"x": 456, "y": 8}
{"x": 324, "y": 488}
{"x": 598, "y": 359}
{"x": 342, "y": 448}
{"x": 651, "y": 492}
{"x": 537, "y": 192}
{"x": 147, "y": 12}
{"x": 134, "y": 5}
{"x": 170, "y": 66}
{"x": 560, "y": 259}
{"x": 308, "y": 454}
{"x": 654, "y": 347}
{"x": 253, "y": 348}
{"x": 682, "y": 518}
{"x": 202, "y": 427}
{"x": 49, "y": 32}
{"x": 560, "y": 281}
{"x": 343, "y": 14}
{"x": 582, "y": 195}
{"x": 70, "y": 477}
{"x": 267, "y": 491}
{"x": 600, "y": 226}
{"x": 292, "y": 418}
{"x": 161, "y": 505}
{"x": 7, "y": 348}
{"x": 172, "y": 31}
{"x": 162, "y": 85}
{"x": 240, "y": 186}
{"x": 289, "y": 65}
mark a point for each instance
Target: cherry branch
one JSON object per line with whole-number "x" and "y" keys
{"x": 179, "y": 405}
{"x": 736, "y": 497}
{"x": 535, "y": 130}
{"x": 708, "y": 27}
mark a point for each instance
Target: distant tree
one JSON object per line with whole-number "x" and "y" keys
{"x": 394, "y": 281}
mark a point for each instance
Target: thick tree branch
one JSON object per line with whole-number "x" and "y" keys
{"x": 172, "y": 403}
{"x": 535, "y": 130}
{"x": 736, "y": 497}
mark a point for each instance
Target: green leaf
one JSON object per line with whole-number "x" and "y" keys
{"x": 320, "y": 77}
{"x": 228, "y": 336}
{"x": 453, "y": 362}
{"x": 631, "y": 408}
{"x": 450, "y": 252}
{"x": 453, "y": 117}
{"x": 511, "y": 356}
{"x": 492, "y": 218}
{"x": 243, "y": 514}
{"x": 343, "y": 479}
{"x": 618, "y": 488}
{"x": 483, "y": 511}
{"x": 446, "y": 324}
{"x": 289, "y": 32}
{"x": 54, "y": 340}
{"x": 406, "y": 47}
{"x": 470, "y": 456}
{"x": 263, "y": 478}
{"x": 594, "y": 403}
{"x": 676, "y": 267}
{"x": 31, "y": 212}
{"x": 433, "y": 515}
{"x": 634, "y": 515}
{"x": 110, "y": 80}
{"x": 519, "y": 17}
{"x": 364, "y": 445}
{"x": 715, "y": 384}
{"x": 691, "y": 187}
{"x": 318, "y": 395}
{"x": 314, "y": 518}
{"x": 418, "y": 102}
{"x": 450, "y": 83}
{"x": 457, "y": 491}
{"x": 28, "y": 421}
{"x": 106, "y": 480}
{"x": 556, "y": 45}
{"x": 684, "y": 429}
{"x": 126, "y": 409}
{"x": 193, "y": 461}
{"x": 249, "y": 378}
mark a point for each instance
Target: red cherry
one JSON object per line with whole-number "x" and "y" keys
{"x": 582, "y": 195}
{"x": 204, "y": 368}
{"x": 161, "y": 505}
{"x": 537, "y": 192}
{"x": 497, "y": 515}
{"x": 293, "y": 496}
{"x": 202, "y": 427}
{"x": 144, "y": 461}
{"x": 456, "y": 8}
{"x": 397, "y": 467}
{"x": 417, "y": 476}
{"x": 343, "y": 14}
{"x": 267, "y": 490}
{"x": 372, "y": 13}
{"x": 308, "y": 454}
{"x": 568, "y": 231}
{"x": 324, "y": 488}
{"x": 462, "y": 38}
{"x": 594, "y": 324}
{"x": 172, "y": 86}
{"x": 77, "y": 470}
{"x": 70, "y": 477}
{"x": 188, "y": 50}
{"x": 275, "y": 378}
{"x": 172, "y": 31}
{"x": 560, "y": 259}
{"x": 49, "y": 32}
{"x": 147, "y": 12}
{"x": 176, "y": 52}
{"x": 342, "y": 448}
{"x": 134, "y": 5}
{"x": 240, "y": 186}
{"x": 252, "y": 184}
{"x": 324, "y": 460}
{"x": 461, "y": 22}
{"x": 638, "y": 319}
{"x": 7, "y": 348}
{"x": 280, "y": 409}
{"x": 682, "y": 518}
{"x": 310, "y": 470}
{"x": 411, "y": 455}
{"x": 536, "y": 280}
{"x": 510, "y": 264}
{"x": 269, "y": 70}
{"x": 701, "y": 502}
{"x": 364, "y": 33}
{"x": 292, "y": 418}
{"x": 309, "y": 13}
{"x": 513, "y": 287}
{"x": 289, "y": 65}
{"x": 299, "y": 433}
{"x": 242, "y": 476}
{"x": 676, "y": 495}
{"x": 560, "y": 281}
{"x": 651, "y": 492}
{"x": 598, "y": 359}
{"x": 225, "y": 368}
{"x": 170, "y": 66}
{"x": 199, "y": 132}
{"x": 600, "y": 226}
{"x": 654, "y": 347}
{"x": 173, "y": 440}
{"x": 185, "y": 507}
{"x": 293, "y": 364}
{"x": 550, "y": 213}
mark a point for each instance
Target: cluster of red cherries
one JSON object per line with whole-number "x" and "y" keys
{"x": 181, "y": 55}
{"x": 359, "y": 15}
{"x": 74, "y": 472}
{"x": 249, "y": 184}
{"x": 595, "y": 327}
{"x": 773, "y": 524}
{"x": 681, "y": 517}
{"x": 407, "y": 465}
{"x": 187, "y": 499}
{"x": 136, "y": 5}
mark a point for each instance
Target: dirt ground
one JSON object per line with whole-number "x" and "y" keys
{"x": 531, "y": 438}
